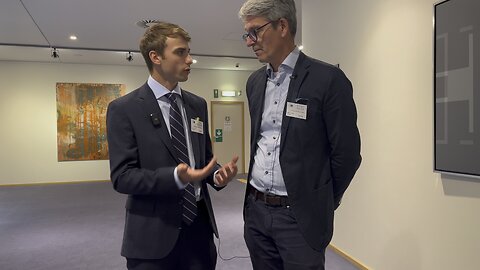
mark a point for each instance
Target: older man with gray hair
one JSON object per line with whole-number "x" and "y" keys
{"x": 305, "y": 144}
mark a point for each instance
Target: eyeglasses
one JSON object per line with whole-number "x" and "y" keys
{"x": 253, "y": 34}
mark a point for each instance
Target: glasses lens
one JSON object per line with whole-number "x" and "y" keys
{"x": 250, "y": 34}
{"x": 253, "y": 35}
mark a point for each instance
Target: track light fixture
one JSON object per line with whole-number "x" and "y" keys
{"x": 54, "y": 53}
{"x": 129, "y": 57}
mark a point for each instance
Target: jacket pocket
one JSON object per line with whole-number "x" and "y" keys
{"x": 140, "y": 205}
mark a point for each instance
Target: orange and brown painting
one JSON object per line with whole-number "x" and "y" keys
{"x": 81, "y": 119}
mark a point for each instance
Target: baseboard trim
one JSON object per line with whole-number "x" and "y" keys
{"x": 349, "y": 258}
{"x": 52, "y": 183}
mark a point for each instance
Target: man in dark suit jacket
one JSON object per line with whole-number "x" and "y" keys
{"x": 305, "y": 145}
{"x": 158, "y": 140}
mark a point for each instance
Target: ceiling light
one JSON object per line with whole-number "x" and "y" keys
{"x": 73, "y": 37}
{"x": 194, "y": 61}
{"x": 147, "y": 23}
{"x": 300, "y": 47}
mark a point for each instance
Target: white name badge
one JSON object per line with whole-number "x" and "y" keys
{"x": 296, "y": 110}
{"x": 197, "y": 126}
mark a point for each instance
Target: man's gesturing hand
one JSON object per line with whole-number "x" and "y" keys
{"x": 188, "y": 174}
{"x": 227, "y": 172}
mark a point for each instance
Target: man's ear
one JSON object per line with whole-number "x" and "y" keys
{"x": 155, "y": 57}
{"x": 283, "y": 24}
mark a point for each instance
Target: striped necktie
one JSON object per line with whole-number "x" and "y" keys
{"x": 179, "y": 142}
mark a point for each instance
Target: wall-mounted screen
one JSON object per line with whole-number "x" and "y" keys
{"x": 457, "y": 87}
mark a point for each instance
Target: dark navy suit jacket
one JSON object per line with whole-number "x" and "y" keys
{"x": 318, "y": 156}
{"x": 142, "y": 162}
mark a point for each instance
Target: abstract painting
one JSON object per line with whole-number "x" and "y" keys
{"x": 81, "y": 119}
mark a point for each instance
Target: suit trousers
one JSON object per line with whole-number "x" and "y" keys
{"x": 274, "y": 240}
{"x": 194, "y": 250}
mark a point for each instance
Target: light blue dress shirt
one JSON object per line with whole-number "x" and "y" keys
{"x": 160, "y": 93}
{"x": 266, "y": 174}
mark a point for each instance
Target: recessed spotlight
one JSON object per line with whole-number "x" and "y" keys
{"x": 300, "y": 47}
{"x": 194, "y": 61}
{"x": 73, "y": 37}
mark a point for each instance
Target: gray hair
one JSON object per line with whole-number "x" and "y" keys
{"x": 272, "y": 10}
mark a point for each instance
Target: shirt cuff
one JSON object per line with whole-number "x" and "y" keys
{"x": 215, "y": 183}
{"x": 179, "y": 183}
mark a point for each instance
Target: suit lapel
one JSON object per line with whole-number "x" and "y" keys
{"x": 194, "y": 137}
{"x": 150, "y": 104}
{"x": 258, "y": 101}
{"x": 299, "y": 74}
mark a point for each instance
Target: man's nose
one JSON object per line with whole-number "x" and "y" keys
{"x": 189, "y": 59}
{"x": 249, "y": 42}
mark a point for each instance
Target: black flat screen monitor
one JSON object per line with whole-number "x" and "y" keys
{"x": 456, "y": 35}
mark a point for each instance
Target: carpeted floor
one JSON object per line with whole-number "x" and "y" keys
{"x": 79, "y": 226}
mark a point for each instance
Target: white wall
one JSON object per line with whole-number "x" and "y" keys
{"x": 28, "y": 140}
{"x": 397, "y": 214}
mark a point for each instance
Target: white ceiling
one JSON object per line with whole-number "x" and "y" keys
{"x": 107, "y": 30}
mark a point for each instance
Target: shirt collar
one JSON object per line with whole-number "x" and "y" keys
{"x": 288, "y": 64}
{"x": 159, "y": 90}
